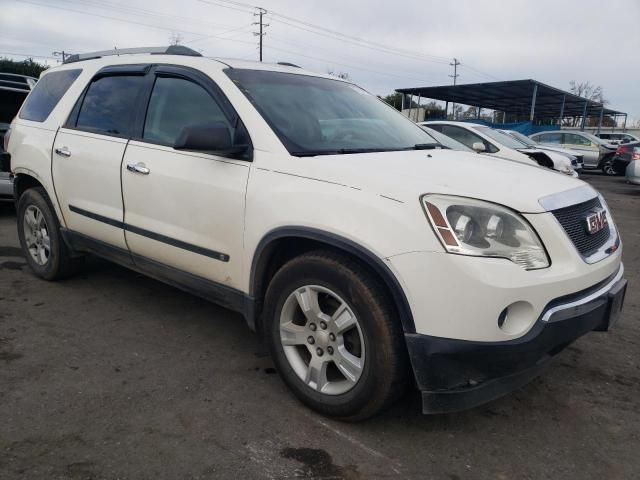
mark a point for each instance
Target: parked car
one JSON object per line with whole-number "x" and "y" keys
{"x": 624, "y": 155}
{"x": 576, "y": 159}
{"x": 358, "y": 250}
{"x": 597, "y": 153}
{"x": 446, "y": 142}
{"x": 633, "y": 168}
{"x": 618, "y": 138}
{"x": 13, "y": 90}
{"x": 486, "y": 140}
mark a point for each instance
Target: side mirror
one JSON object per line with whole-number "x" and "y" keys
{"x": 479, "y": 147}
{"x": 214, "y": 137}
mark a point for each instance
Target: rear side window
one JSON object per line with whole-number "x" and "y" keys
{"x": 109, "y": 105}
{"x": 177, "y": 103}
{"x": 46, "y": 94}
{"x": 549, "y": 138}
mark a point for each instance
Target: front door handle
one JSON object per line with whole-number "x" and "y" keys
{"x": 63, "y": 151}
{"x": 138, "y": 168}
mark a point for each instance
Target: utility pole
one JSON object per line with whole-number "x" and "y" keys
{"x": 62, "y": 54}
{"x": 455, "y": 77}
{"x": 261, "y": 12}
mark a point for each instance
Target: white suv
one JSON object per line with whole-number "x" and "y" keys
{"x": 360, "y": 249}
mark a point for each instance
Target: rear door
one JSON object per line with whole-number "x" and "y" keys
{"x": 185, "y": 210}
{"x": 89, "y": 149}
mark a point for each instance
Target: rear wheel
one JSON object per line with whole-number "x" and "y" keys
{"x": 40, "y": 237}
{"x": 334, "y": 337}
{"x": 607, "y": 166}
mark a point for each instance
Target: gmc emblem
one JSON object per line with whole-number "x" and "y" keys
{"x": 596, "y": 221}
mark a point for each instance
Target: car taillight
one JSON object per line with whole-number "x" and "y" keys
{"x": 622, "y": 149}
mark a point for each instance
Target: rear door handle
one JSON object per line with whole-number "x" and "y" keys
{"x": 63, "y": 151}
{"x": 138, "y": 168}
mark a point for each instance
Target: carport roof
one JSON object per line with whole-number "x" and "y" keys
{"x": 513, "y": 97}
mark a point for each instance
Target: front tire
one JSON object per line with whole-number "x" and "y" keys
{"x": 334, "y": 336}
{"x": 40, "y": 237}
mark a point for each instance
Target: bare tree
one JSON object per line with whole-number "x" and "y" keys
{"x": 342, "y": 75}
{"x": 176, "y": 38}
{"x": 586, "y": 90}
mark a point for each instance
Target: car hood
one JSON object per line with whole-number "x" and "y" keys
{"x": 406, "y": 175}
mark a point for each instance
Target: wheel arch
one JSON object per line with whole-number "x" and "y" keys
{"x": 280, "y": 245}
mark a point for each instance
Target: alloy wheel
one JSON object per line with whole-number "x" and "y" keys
{"x": 322, "y": 340}
{"x": 36, "y": 235}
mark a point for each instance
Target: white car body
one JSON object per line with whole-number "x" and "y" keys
{"x": 497, "y": 148}
{"x": 370, "y": 203}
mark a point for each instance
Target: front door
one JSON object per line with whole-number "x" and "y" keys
{"x": 87, "y": 155}
{"x": 185, "y": 209}
{"x": 583, "y": 145}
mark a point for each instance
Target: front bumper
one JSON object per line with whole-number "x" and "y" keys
{"x": 456, "y": 375}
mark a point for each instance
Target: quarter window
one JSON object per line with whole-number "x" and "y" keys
{"x": 109, "y": 105}
{"x": 177, "y": 103}
{"x": 46, "y": 94}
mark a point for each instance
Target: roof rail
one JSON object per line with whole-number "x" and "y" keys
{"x": 170, "y": 50}
{"x": 287, "y": 64}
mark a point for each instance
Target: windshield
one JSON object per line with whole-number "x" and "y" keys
{"x": 446, "y": 141}
{"x": 522, "y": 138}
{"x": 501, "y": 138}
{"x": 315, "y": 116}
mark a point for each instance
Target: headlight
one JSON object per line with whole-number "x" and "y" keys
{"x": 473, "y": 227}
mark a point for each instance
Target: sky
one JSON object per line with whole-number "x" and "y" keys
{"x": 381, "y": 45}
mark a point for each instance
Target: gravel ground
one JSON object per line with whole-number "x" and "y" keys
{"x": 112, "y": 375}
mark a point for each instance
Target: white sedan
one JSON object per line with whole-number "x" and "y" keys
{"x": 486, "y": 140}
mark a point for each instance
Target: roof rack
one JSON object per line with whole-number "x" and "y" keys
{"x": 171, "y": 50}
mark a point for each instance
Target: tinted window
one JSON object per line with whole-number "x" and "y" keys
{"x": 175, "y": 104}
{"x": 46, "y": 94}
{"x": 109, "y": 105}
{"x": 549, "y": 138}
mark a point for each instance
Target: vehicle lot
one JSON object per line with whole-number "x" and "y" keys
{"x": 114, "y": 375}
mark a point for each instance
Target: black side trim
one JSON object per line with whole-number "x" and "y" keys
{"x": 95, "y": 216}
{"x": 223, "y": 257}
{"x": 264, "y": 251}
{"x": 218, "y": 293}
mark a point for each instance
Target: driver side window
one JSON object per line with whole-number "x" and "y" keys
{"x": 177, "y": 103}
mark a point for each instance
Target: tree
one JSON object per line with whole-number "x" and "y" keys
{"x": 176, "y": 38}
{"x": 26, "y": 67}
{"x": 589, "y": 91}
{"x": 342, "y": 75}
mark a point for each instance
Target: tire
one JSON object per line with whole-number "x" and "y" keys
{"x": 44, "y": 249}
{"x": 607, "y": 166}
{"x": 365, "y": 329}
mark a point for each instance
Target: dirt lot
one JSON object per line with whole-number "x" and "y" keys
{"x": 112, "y": 375}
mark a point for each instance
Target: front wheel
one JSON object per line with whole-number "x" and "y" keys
{"x": 334, "y": 336}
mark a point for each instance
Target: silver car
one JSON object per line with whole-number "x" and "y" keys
{"x": 597, "y": 153}
{"x": 633, "y": 169}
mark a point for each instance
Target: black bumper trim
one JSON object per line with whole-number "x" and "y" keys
{"x": 456, "y": 375}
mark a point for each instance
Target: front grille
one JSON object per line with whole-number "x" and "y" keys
{"x": 573, "y": 219}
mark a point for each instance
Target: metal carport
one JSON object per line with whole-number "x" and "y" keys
{"x": 525, "y": 99}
